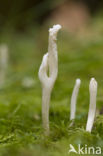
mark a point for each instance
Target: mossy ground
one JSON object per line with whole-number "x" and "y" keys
{"x": 80, "y": 56}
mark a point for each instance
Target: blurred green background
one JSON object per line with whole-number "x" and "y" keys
{"x": 24, "y": 29}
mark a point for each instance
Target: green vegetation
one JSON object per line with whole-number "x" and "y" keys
{"x": 80, "y": 56}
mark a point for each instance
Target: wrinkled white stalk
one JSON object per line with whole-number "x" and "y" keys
{"x": 92, "y": 106}
{"x": 3, "y": 63}
{"x": 74, "y": 99}
{"x": 49, "y": 62}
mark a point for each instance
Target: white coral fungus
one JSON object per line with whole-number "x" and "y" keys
{"x": 74, "y": 99}
{"x": 92, "y": 106}
{"x": 49, "y": 63}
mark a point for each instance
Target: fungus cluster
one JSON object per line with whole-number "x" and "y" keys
{"x": 50, "y": 64}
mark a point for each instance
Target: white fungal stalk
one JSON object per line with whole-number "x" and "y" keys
{"x": 92, "y": 106}
{"x": 49, "y": 62}
{"x": 3, "y": 63}
{"x": 74, "y": 99}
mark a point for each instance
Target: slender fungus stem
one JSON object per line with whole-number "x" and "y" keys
{"x": 92, "y": 106}
{"x": 49, "y": 62}
{"x": 3, "y": 63}
{"x": 74, "y": 99}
